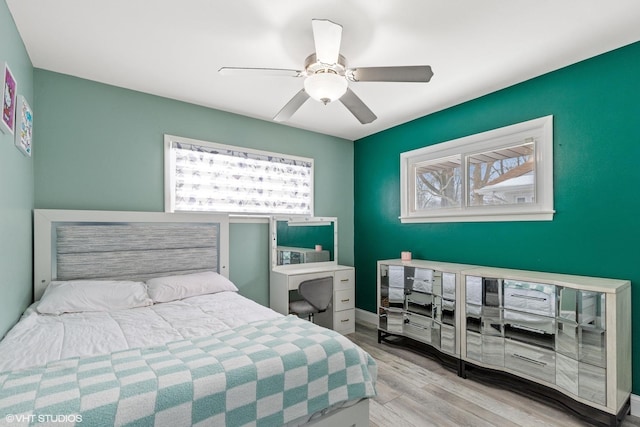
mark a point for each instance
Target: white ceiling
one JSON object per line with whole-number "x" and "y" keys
{"x": 173, "y": 48}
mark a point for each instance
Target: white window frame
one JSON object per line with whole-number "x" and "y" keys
{"x": 169, "y": 178}
{"x": 541, "y": 130}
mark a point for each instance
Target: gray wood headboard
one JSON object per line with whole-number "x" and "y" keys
{"x": 71, "y": 245}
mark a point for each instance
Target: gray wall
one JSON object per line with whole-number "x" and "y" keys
{"x": 101, "y": 147}
{"x": 16, "y": 187}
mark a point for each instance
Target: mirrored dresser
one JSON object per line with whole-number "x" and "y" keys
{"x": 569, "y": 334}
{"x": 419, "y": 299}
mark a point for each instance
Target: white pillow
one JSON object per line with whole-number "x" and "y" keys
{"x": 92, "y": 295}
{"x": 171, "y": 288}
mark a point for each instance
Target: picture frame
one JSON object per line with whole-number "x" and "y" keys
{"x": 9, "y": 97}
{"x": 24, "y": 126}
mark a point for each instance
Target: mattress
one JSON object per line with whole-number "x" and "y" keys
{"x": 39, "y": 339}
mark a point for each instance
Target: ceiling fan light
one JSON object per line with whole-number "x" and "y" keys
{"x": 325, "y": 87}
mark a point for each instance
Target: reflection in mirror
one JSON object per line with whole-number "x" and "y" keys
{"x": 300, "y": 241}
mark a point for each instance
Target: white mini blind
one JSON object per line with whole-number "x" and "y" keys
{"x": 222, "y": 178}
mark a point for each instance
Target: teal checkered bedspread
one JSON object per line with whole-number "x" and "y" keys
{"x": 264, "y": 373}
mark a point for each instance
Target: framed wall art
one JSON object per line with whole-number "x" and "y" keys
{"x": 9, "y": 96}
{"x": 24, "y": 126}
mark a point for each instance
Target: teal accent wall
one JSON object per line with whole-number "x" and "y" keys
{"x": 101, "y": 147}
{"x": 595, "y": 231}
{"x": 16, "y": 187}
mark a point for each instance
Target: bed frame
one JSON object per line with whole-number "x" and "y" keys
{"x": 72, "y": 244}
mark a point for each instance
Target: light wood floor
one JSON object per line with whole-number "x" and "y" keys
{"x": 416, "y": 390}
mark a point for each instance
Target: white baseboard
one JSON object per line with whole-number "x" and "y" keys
{"x": 635, "y": 402}
{"x": 367, "y": 317}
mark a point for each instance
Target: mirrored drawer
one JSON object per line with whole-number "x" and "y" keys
{"x": 435, "y": 334}
{"x": 420, "y": 303}
{"x": 473, "y": 310}
{"x": 493, "y": 350}
{"x": 474, "y": 320}
{"x": 418, "y": 327}
{"x": 448, "y": 339}
{"x": 491, "y": 323}
{"x": 592, "y": 383}
{"x": 387, "y": 302}
{"x": 473, "y": 288}
{"x": 530, "y": 328}
{"x": 394, "y": 297}
{"x": 483, "y": 291}
{"x": 592, "y": 346}
{"x": 530, "y": 360}
{"x": 398, "y": 287}
{"x": 532, "y": 322}
{"x": 437, "y": 283}
{"x": 568, "y": 304}
{"x": 449, "y": 286}
{"x": 567, "y": 374}
{"x": 491, "y": 292}
{"x": 448, "y": 312}
{"x": 535, "y": 298}
{"x": 581, "y": 379}
{"x": 396, "y": 276}
{"x": 567, "y": 339}
{"x": 421, "y": 279}
{"x": 591, "y": 309}
{"x": 474, "y": 346}
{"x": 391, "y": 320}
{"x": 437, "y": 309}
{"x": 416, "y": 319}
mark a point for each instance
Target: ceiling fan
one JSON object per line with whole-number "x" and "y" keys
{"x": 326, "y": 76}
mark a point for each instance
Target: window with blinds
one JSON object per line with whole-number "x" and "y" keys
{"x": 205, "y": 176}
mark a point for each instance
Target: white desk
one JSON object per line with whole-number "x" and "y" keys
{"x": 341, "y": 315}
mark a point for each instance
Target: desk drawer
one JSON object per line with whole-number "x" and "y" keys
{"x": 344, "y": 279}
{"x": 294, "y": 281}
{"x": 344, "y": 321}
{"x": 344, "y": 300}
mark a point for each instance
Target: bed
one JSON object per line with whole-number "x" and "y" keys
{"x": 136, "y": 323}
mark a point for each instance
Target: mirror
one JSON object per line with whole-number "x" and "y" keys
{"x": 303, "y": 240}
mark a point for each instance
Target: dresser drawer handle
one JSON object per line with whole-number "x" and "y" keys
{"x": 345, "y": 320}
{"x": 529, "y": 297}
{"x": 344, "y": 280}
{"x": 345, "y": 300}
{"x": 528, "y": 359}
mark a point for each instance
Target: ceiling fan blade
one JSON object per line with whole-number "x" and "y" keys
{"x": 327, "y": 36}
{"x": 268, "y": 72}
{"x": 292, "y": 106}
{"x": 412, "y": 73}
{"x": 357, "y": 107}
